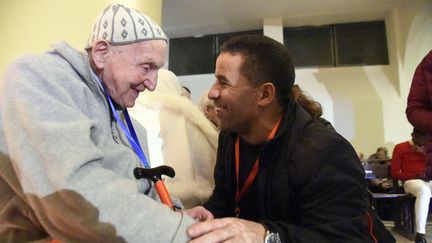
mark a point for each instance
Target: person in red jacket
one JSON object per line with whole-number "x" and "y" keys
{"x": 408, "y": 165}
{"x": 419, "y": 106}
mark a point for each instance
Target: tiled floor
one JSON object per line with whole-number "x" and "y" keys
{"x": 387, "y": 207}
{"x": 402, "y": 239}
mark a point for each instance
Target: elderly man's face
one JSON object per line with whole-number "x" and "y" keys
{"x": 131, "y": 69}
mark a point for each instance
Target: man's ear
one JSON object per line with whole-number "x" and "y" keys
{"x": 98, "y": 52}
{"x": 268, "y": 93}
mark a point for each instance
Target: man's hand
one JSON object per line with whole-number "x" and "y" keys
{"x": 227, "y": 230}
{"x": 386, "y": 184}
{"x": 199, "y": 213}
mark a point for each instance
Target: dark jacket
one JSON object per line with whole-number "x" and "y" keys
{"x": 419, "y": 107}
{"x": 311, "y": 185}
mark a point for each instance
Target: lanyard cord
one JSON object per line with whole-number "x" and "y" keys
{"x": 252, "y": 174}
{"x": 130, "y": 133}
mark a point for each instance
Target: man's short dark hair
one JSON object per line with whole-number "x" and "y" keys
{"x": 265, "y": 60}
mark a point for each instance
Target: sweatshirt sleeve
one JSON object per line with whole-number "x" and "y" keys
{"x": 75, "y": 190}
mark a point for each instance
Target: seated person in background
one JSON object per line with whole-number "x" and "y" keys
{"x": 408, "y": 165}
{"x": 377, "y": 159}
{"x": 361, "y": 156}
{"x": 380, "y": 157}
{"x": 179, "y": 136}
{"x": 207, "y": 106}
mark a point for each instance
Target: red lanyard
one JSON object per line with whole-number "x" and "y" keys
{"x": 252, "y": 174}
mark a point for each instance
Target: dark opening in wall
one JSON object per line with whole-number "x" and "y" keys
{"x": 310, "y": 46}
{"x": 192, "y": 55}
{"x": 349, "y": 44}
{"x": 361, "y": 43}
{"x": 197, "y": 55}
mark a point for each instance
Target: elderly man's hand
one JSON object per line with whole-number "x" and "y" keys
{"x": 199, "y": 213}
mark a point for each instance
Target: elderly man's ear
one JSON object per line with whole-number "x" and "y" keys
{"x": 98, "y": 52}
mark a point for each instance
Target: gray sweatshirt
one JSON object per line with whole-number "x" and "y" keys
{"x": 66, "y": 169}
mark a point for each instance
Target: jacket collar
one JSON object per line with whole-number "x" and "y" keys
{"x": 294, "y": 120}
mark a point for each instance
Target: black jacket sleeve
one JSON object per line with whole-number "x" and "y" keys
{"x": 326, "y": 195}
{"x": 220, "y": 201}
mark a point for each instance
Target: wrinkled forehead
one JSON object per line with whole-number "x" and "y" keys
{"x": 151, "y": 51}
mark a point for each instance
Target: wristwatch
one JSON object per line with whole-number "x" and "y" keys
{"x": 272, "y": 237}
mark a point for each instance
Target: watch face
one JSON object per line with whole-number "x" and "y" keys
{"x": 272, "y": 238}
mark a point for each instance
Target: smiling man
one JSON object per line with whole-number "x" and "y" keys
{"x": 66, "y": 154}
{"x": 281, "y": 175}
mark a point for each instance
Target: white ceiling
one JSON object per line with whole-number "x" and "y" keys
{"x": 182, "y": 18}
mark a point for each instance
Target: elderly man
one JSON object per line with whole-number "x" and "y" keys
{"x": 66, "y": 154}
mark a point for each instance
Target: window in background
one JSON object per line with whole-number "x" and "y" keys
{"x": 349, "y": 44}
{"x": 192, "y": 55}
{"x": 221, "y": 38}
{"x": 361, "y": 43}
{"x": 197, "y": 55}
{"x": 310, "y": 46}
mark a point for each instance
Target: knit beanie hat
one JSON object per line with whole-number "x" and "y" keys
{"x": 120, "y": 25}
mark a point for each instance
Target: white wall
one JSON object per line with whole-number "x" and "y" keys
{"x": 29, "y": 26}
{"x": 365, "y": 104}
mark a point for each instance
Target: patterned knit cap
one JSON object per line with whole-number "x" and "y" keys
{"x": 120, "y": 25}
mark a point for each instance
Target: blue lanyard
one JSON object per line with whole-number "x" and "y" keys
{"x": 130, "y": 133}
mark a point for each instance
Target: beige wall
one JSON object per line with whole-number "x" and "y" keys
{"x": 366, "y": 104}
{"x": 30, "y": 26}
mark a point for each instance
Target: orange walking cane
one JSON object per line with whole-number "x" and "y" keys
{"x": 155, "y": 175}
